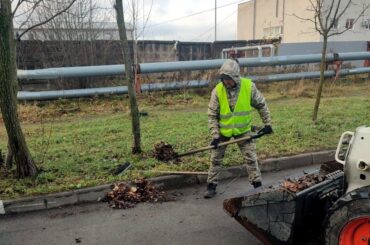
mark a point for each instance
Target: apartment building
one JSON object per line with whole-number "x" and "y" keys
{"x": 259, "y": 19}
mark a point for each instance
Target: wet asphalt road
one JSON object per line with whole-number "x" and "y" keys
{"x": 188, "y": 220}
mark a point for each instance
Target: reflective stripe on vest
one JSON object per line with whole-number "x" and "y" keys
{"x": 239, "y": 121}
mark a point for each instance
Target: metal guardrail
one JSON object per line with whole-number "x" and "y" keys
{"x": 77, "y": 93}
{"x": 70, "y": 72}
{"x": 113, "y": 70}
{"x": 308, "y": 75}
{"x": 89, "y": 92}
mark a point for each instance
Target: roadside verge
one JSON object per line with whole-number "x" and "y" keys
{"x": 94, "y": 194}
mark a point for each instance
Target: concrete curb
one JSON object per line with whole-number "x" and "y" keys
{"x": 94, "y": 194}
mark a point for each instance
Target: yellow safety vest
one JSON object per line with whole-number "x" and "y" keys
{"x": 237, "y": 122}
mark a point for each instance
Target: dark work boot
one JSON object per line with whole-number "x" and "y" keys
{"x": 211, "y": 190}
{"x": 256, "y": 184}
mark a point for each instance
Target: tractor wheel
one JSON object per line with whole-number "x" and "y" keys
{"x": 349, "y": 223}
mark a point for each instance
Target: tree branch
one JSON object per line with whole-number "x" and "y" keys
{"x": 19, "y": 3}
{"x": 312, "y": 5}
{"x": 337, "y": 33}
{"x": 355, "y": 21}
{"x": 335, "y": 18}
{"x": 318, "y": 15}
{"x": 323, "y": 30}
{"x": 29, "y": 16}
{"x": 47, "y": 20}
{"x": 344, "y": 10}
{"x": 305, "y": 19}
{"x": 331, "y": 9}
{"x": 315, "y": 16}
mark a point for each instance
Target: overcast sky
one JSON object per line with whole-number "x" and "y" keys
{"x": 183, "y": 20}
{"x": 178, "y": 19}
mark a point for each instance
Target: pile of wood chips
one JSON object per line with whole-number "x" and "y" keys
{"x": 124, "y": 195}
{"x": 302, "y": 183}
{"x": 164, "y": 152}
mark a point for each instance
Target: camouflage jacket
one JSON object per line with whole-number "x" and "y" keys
{"x": 232, "y": 69}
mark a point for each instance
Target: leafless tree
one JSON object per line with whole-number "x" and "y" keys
{"x": 327, "y": 14}
{"x": 73, "y": 36}
{"x": 135, "y": 118}
{"x": 8, "y": 78}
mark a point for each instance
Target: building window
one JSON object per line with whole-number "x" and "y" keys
{"x": 272, "y": 32}
{"x": 277, "y": 8}
{"x": 336, "y": 23}
{"x": 366, "y": 24}
{"x": 350, "y": 23}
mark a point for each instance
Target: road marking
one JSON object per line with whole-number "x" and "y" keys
{"x": 2, "y": 210}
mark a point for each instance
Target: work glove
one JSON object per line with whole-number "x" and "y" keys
{"x": 266, "y": 130}
{"x": 215, "y": 142}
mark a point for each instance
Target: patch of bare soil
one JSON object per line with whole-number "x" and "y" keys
{"x": 164, "y": 152}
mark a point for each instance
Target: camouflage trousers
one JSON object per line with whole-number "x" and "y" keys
{"x": 247, "y": 149}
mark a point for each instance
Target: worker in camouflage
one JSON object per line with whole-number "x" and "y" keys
{"x": 229, "y": 116}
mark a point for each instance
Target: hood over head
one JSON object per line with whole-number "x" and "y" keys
{"x": 230, "y": 68}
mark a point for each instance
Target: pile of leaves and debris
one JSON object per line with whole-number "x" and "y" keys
{"x": 302, "y": 183}
{"x": 124, "y": 195}
{"x": 308, "y": 180}
{"x": 164, "y": 152}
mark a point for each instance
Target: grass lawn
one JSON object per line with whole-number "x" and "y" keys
{"x": 78, "y": 143}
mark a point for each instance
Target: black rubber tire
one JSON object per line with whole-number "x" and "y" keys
{"x": 345, "y": 210}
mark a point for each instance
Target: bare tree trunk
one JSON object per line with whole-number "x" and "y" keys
{"x": 8, "y": 97}
{"x": 9, "y": 158}
{"x": 322, "y": 79}
{"x": 2, "y": 161}
{"x": 135, "y": 119}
